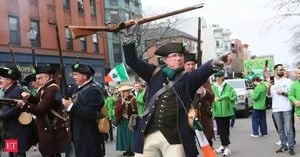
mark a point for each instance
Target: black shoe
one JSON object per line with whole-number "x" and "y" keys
{"x": 125, "y": 153}
{"x": 291, "y": 151}
{"x": 130, "y": 154}
{"x": 281, "y": 149}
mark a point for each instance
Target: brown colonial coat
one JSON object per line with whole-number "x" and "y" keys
{"x": 51, "y": 130}
{"x": 204, "y": 114}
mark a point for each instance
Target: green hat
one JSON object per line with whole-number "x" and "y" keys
{"x": 256, "y": 77}
{"x": 219, "y": 73}
{"x": 170, "y": 48}
{"x": 10, "y": 72}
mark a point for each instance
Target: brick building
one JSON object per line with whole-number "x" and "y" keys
{"x": 17, "y": 16}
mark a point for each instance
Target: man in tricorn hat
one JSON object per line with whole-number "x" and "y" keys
{"x": 50, "y": 125}
{"x": 202, "y": 100}
{"x": 12, "y": 128}
{"x": 86, "y": 101}
{"x": 163, "y": 128}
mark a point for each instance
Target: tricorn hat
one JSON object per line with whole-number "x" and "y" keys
{"x": 29, "y": 78}
{"x": 44, "y": 69}
{"x": 83, "y": 68}
{"x": 189, "y": 57}
{"x": 10, "y": 72}
{"x": 170, "y": 48}
{"x": 124, "y": 88}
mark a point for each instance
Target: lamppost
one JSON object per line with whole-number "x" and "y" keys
{"x": 32, "y": 34}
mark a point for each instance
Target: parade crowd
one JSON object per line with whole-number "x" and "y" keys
{"x": 153, "y": 117}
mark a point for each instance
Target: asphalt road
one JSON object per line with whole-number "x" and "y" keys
{"x": 242, "y": 144}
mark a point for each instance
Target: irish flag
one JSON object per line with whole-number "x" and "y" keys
{"x": 117, "y": 74}
{"x": 206, "y": 149}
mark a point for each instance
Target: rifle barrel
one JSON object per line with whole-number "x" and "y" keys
{"x": 82, "y": 31}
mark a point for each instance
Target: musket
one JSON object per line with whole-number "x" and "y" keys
{"x": 81, "y": 31}
{"x": 65, "y": 115}
{"x": 8, "y": 101}
{"x": 13, "y": 55}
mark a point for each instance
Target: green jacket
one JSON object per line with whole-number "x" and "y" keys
{"x": 110, "y": 103}
{"x": 259, "y": 97}
{"x": 224, "y": 107}
{"x": 140, "y": 102}
{"x": 294, "y": 95}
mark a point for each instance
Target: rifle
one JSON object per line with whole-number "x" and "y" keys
{"x": 8, "y": 101}
{"x": 13, "y": 55}
{"x": 65, "y": 115}
{"x": 81, "y": 31}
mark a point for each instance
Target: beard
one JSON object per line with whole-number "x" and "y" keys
{"x": 280, "y": 74}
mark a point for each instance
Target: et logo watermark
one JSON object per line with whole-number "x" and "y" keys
{"x": 11, "y": 145}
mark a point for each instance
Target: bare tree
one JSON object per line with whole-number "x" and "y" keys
{"x": 288, "y": 9}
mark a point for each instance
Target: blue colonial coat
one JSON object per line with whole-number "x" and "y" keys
{"x": 87, "y": 140}
{"x": 185, "y": 87}
{"x": 12, "y": 129}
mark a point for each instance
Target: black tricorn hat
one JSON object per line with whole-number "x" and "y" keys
{"x": 83, "y": 68}
{"x": 170, "y": 48}
{"x": 10, "y": 72}
{"x": 29, "y": 78}
{"x": 189, "y": 57}
{"x": 44, "y": 69}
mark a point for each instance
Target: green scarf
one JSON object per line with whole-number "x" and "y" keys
{"x": 170, "y": 72}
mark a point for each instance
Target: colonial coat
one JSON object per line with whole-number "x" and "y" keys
{"x": 185, "y": 87}
{"x": 51, "y": 129}
{"x": 204, "y": 112}
{"x": 88, "y": 101}
{"x": 12, "y": 129}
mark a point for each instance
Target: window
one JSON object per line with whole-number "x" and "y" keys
{"x": 127, "y": 3}
{"x": 67, "y": 4}
{"x": 217, "y": 43}
{"x": 117, "y": 53}
{"x": 114, "y": 16}
{"x": 136, "y": 3}
{"x": 114, "y": 2}
{"x": 36, "y": 26}
{"x": 95, "y": 43}
{"x": 80, "y": 6}
{"x": 14, "y": 30}
{"x": 83, "y": 44}
{"x": 93, "y": 7}
{"x": 69, "y": 41}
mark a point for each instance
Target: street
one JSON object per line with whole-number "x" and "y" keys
{"x": 242, "y": 144}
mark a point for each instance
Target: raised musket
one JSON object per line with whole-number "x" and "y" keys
{"x": 81, "y": 31}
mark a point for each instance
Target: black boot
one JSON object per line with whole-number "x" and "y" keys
{"x": 282, "y": 149}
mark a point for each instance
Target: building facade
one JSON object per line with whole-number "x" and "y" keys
{"x": 43, "y": 16}
{"x": 156, "y": 37}
{"x": 117, "y": 11}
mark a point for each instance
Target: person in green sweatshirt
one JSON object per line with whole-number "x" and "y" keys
{"x": 294, "y": 93}
{"x": 139, "y": 93}
{"x": 110, "y": 103}
{"x": 259, "y": 121}
{"x": 225, "y": 98}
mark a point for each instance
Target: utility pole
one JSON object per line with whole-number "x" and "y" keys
{"x": 199, "y": 50}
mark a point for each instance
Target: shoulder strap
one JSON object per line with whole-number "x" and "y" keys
{"x": 162, "y": 90}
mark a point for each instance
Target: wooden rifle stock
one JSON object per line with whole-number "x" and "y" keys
{"x": 81, "y": 31}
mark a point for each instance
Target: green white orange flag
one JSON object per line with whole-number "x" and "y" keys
{"x": 206, "y": 149}
{"x": 117, "y": 74}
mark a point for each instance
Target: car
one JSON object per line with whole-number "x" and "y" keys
{"x": 243, "y": 89}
